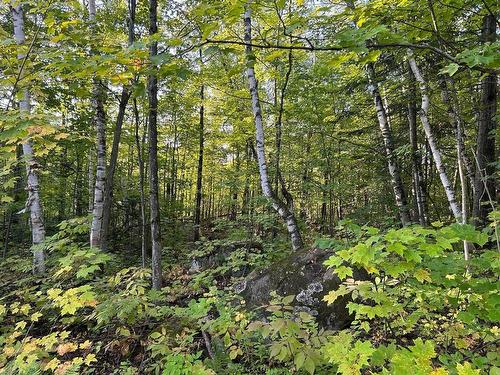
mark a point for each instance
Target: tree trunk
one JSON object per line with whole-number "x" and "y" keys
{"x": 485, "y": 149}
{"x": 199, "y": 170}
{"x": 285, "y": 213}
{"x": 396, "y": 182}
{"x": 418, "y": 181}
{"x": 153, "y": 154}
{"x": 436, "y": 154}
{"x": 108, "y": 187}
{"x": 140, "y": 162}
{"x": 100, "y": 124}
{"x": 33, "y": 203}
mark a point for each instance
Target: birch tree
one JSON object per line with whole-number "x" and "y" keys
{"x": 392, "y": 164}
{"x": 100, "y": 126}
{"x": 284, "y": 212}
{"x": 33, "y": 203}
{"x": 436, "y": 153}
{"x": 416, "y": 160}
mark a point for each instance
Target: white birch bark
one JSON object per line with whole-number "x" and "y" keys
{"x": 436, "y": 154}
{"x": 100, "y": 176}
{"x": 285, "y": 213}
{"x": 385, "y": 129}
{"x": 33, "y": 203}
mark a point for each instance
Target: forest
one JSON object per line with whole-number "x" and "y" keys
{"x": 249, "y": 187}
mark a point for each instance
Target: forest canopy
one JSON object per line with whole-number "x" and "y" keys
{"x": 249, "y": 187}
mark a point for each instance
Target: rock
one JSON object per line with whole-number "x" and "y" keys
{"x": 301, "y": 274}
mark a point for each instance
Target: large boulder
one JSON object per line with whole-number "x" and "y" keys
{"x": 301, "y": 274}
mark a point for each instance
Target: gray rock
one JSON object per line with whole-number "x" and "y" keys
{"x": 303, "y": 275}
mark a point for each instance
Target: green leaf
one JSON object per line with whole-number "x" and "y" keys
{"x": 466, "y": 369}
{"x": 343, "y": 271}
{"x": 299, "y": 360}
{"x": 309, "y": 365}
{"x": 288, "y": 299}
{"x": 450, "y": 69}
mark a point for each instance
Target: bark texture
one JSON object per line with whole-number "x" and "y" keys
{"x": 33, "y": 203}
{"x": 436, "y": 153}
{"x": 485, "y": 151}
{"x": 392, "y": 164}
{"x": 100, "y": 126}
{"x": 284, "y": 212}
{"x": 419, "y": 190}
{"x": 113, "y": 160}
{"x": 153, "y": 154}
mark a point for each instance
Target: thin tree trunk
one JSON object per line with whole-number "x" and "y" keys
{"x": 100, "y": 124}
{"x": 485, "y": 183}
{"x": 418, "y": 181}
{"x": 33, "y": 203}
{"x": 285, "y": 213}
{"x": 436, "y": 154}
{"x": 108, "y": 187}
{"x": 153, "y": 154}
{"x": 124, "y": 98}
{"x": 140, "y": 161}
{"x": 396, "y": 182}
{"x": 451, "y": 100}
{"x": 199, "y": 170}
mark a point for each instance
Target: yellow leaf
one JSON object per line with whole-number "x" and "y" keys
{"x": 466, "y": 369}
{"x": 86, "y": 344}
{"x": 35, "y": 316}
{"x": 9, "y": 351}
{"x": 90, "y": 358}
{"x": 422, "y": 275}
{"x": 68, "y": 347}
{"x": 77, "y": 361}
{"x": 52, "y": 365}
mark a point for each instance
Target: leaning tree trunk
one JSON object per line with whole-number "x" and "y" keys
{"x": 485, "y": 150}
{"x": 153, "y": 153}
{"x": 284, "y": 212}
{"x": 108, "y": 186}
{"x": 436, "y": 154}
{"x": 418, "y": 181}
{"x": 33, "y": 204}
{"x": 124, "y": 98}
{"x": 100, "y": 124}
{"x": 396, "y": 182}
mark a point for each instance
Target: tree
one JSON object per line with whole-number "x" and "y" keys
{"x": 397, "y": 183}
{"x": 436, "y": 153}
{"x": 484, "y": 182}
{"x": 33, "y": 203}
{"x": 153, "y": 151}
{"x": 98, "y": 97}
{"x": 285, "y": 213}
